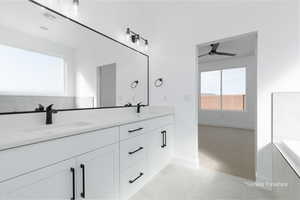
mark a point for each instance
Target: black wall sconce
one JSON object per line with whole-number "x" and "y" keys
{"x": 136, "y": 38}
{"x": 158, "y": 82}
{"x": 134, "y": 84}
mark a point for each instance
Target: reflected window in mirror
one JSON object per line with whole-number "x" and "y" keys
{"x": 40, "y": 74}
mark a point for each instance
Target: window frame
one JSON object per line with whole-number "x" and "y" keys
{"x": 221, "y": 69}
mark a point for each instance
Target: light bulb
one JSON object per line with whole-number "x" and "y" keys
{"x": 146, "y": 45}
{"x": 138, "y": 40}
{"x": 76, "y": 6}
{"x": 128, "y": 34}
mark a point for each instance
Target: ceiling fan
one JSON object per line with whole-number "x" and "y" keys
{"x": 214, "y": 51}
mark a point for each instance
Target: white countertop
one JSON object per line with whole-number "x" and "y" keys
{"x": 17, "y": 137}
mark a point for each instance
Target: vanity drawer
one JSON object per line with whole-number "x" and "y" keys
{"x": 133, "y": 179}
{"x": 21, "y": 160}
{"x": 138, "y": 128}
{"x": 132, "y": 151}
{"x": 132, "y": 130}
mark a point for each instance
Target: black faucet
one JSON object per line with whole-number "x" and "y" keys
{"x": 49, "y": 112}
{"x": 138, "y": 107}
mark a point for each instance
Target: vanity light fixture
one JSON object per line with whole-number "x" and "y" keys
{"x": 136, "y": 38}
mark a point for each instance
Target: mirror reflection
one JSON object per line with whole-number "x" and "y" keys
{"x": 47, "y": 59}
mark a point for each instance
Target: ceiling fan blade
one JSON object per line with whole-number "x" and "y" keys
{"x": 224, "y": 54}
{"x": 203, "y": 55}
{"x": 214, "y": 46}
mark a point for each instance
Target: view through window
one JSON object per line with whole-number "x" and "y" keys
{"x": 223, "y": 89}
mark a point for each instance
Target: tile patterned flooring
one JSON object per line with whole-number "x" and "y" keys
{"x": 177, "y": 182}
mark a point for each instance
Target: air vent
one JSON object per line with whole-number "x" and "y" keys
{"x": 49, "y": 16}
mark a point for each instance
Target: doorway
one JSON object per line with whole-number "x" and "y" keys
{"x": 106, "y": 87}
{"x": 227, "y": 105}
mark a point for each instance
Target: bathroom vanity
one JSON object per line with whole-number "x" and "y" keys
{"x": 85, "y": 160}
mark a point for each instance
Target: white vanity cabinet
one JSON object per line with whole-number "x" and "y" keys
{"x": 160, "y": 148}
{"x": 98, "y": 174}
{"x": 146, "y": 148}
{"x": 52, "y": 169}
{"x": 108, "y": 164}
{"x": 94, "y": 175}
{"x": 52, "y": 182}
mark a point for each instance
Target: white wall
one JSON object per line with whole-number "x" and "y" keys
{"x": 174, "y": 30}
{"x": 130, "y": 66}
{"x": 286, "y": 112}
{"x": 173, "y": 55}
{"x": 235, "y": 119}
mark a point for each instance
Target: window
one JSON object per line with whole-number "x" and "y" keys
{"x": 223, "y": 89}
{"x": 211, "y": 90}
{"x": 39, "y": 74}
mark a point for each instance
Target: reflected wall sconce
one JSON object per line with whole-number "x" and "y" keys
{"x": 159, "y": 82}
{"x": 76, "y": 3}
{"x": 136, "y": 38}
{"x": 134, "y": 84}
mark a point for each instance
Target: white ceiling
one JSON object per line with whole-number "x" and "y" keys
{"x": 30, "y": 19}
{"x": 241, "y": 46}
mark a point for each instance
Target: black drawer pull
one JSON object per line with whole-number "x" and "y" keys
{"x": 82, "y": 194}
{"x": 73, "y": 183}
{"x": 134, "y": 130}
{"x": 132, "y": 152}
{"x": 165, "y": 138}
{"x": 132, "y": 181}
{"x": 163, "y": 133}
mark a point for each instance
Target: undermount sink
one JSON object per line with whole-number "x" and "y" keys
{"x": 47, "y": 129}
{"x": 146, "y": 114}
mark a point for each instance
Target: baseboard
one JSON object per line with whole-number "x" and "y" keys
{"x": 221, "y": 126}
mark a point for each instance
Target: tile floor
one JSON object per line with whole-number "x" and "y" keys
{"x": 177, "y": 182}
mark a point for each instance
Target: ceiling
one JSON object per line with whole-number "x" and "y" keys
{"x": 27, "y": 18}
{"x": 242, "y": 46}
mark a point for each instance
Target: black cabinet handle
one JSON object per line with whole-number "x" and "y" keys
{"x": 73, "y": 183}
{"x": 164, "y": 139}
{"x": 132, "y": 152}
{"x": 132, "y": 181}
{"x": 134, "y": 130}
{"x": 82, "y": 194}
